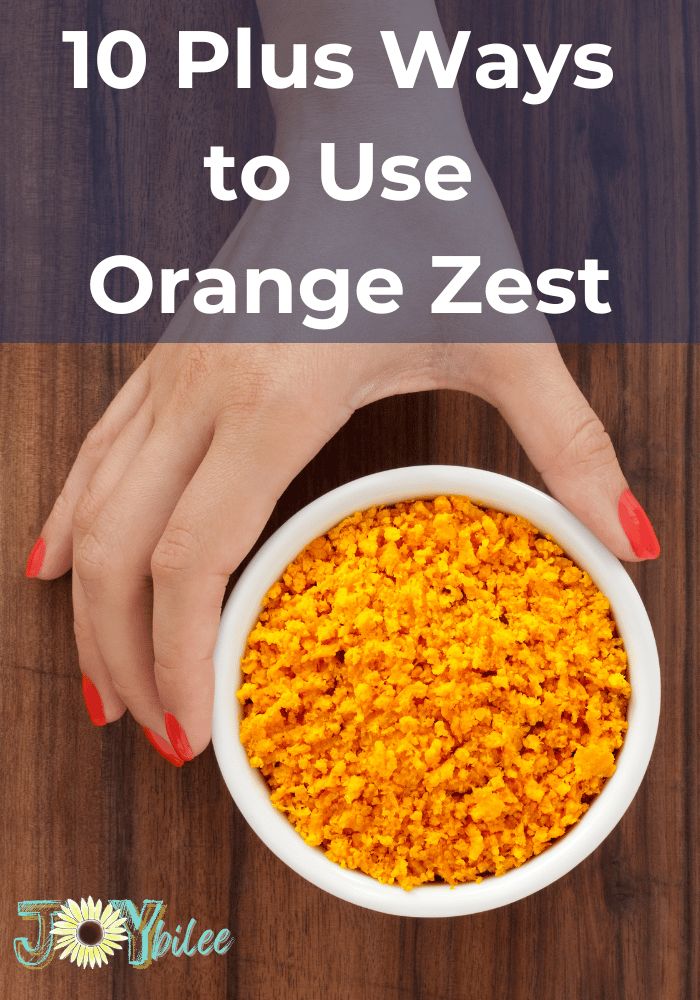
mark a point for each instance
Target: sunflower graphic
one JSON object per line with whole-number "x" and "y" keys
{"x": 88, "y": 933}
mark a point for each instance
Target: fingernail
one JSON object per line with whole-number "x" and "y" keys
{"x": 176, "y": 735}
{"x": 35, "y": 558}
{"x": 637, "y": 527}
{"x": 159, "y": 744}
{"x": 93, "y": 703}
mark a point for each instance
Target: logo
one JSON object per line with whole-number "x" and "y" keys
{"x": 87, "y": 933}
{"x": 90, "y": 934}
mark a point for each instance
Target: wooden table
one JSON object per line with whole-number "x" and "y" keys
{"x": 95, "y": 811}
{"x": 88, "y": 811}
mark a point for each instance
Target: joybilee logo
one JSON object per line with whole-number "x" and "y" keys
{"x": 88, "y": 933}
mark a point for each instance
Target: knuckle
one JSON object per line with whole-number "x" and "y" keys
{"x": 168, "y": 652}
{"x": 61, "y": 506}
{"x": 81, "y": 631}
{"x": 86, "y": 510}
{"x": 91, "y": 559}
{"x": 248, "y": 399}
{"x": 171, "y": 655}
{"x": 167, "y": 661}
{"x": 126, "y": 692}
{"x": 265, "y": 380}
{"x": 177, "y": 552}
{"x": 95, "y": 439}
{"x": 589, "y": 446}
{"x": 195, "y": 366}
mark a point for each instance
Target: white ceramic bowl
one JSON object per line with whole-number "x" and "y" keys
{"x": 248, "y": 787}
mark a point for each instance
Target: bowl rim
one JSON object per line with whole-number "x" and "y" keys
{"x": 246, "y": 785}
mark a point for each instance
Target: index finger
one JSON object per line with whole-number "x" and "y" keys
{"x": 216, "y": 522}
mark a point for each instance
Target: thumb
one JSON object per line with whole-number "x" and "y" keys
{"x": 572, "y": 451}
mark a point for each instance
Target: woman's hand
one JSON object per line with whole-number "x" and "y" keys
{"x": 174, "y": 484}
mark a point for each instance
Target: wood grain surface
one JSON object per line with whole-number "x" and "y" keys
{"x": 88, "y": 811}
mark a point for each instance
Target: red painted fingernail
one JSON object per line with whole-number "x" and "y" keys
{"x": 35, "y": 558}
{"x": 93, "y": 703}
{"x": 176, "y": 735}
{"x": 159, "y": 744}
{"x": 637, "y": 527}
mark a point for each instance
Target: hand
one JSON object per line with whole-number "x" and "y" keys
{"x": 174, "y": 484}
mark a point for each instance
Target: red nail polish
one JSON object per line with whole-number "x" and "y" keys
{"x": 35, "y": 558}
{"x": 637, "y": 527}
{"x": 93, "y": 703}
{"x": 159, "y": 744}
{"x": 176, "y": 735}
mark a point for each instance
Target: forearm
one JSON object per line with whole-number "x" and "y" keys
{"x": 423, "y": 121}
{"x": 358, "y": 23}
{"x": 373, "y": 100}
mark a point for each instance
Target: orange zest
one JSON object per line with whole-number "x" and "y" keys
{"x": 433, "y": 691}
